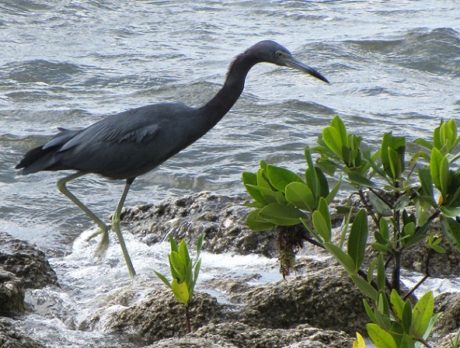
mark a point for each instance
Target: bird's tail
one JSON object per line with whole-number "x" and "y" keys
{"x": 44, "y": 157}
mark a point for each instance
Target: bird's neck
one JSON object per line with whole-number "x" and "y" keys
{"x": 222, "y": 102}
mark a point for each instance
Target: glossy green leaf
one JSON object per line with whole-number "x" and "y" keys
{"x": 424, "y": 175}
{"x": 380, "y": 337}
{"x": 358, "y": 238}
{"x": 407, "y": 317}
{"x": 321, "y": 226}
{"x": 397, "y": 304}
{"x": 333, "y": 140}
{"x": 330, "y": 197}
{"x": 341, "y": 256}
{"x": 365, "y": 288}
{"x": 301, "y": 196}
{"x": 281, "y": 215}
{"x": 279, "y": 177}
{"x": 163, "y": 279}
{"x": 369, "y": 311}
{"x": 451, "y": 229}
{"x": 435, "y": 165}
{"x": 422, "y": 314}
{"x": 379, "y": 205}
{"x": 265, "y": 194}
{"x": 357, "y": 178}
{"x": 250, "y": 183}
{"x": 256, "y": 223}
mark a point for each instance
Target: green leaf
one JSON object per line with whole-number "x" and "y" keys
{"x": 427, "y": 185}
{"x": 358, "y": 179}
{"x": 369, "y": 311}
{"x": 281, "y": 215}
{"x": 265, "y": 194}
{"x": 358, "y": 238}
{"x": 341, "y": 256}
{"x": 365, "y": 288}
{"x": 380, "y": 337}
{"x": 381, "y": 276}
{"x": 397, "y": 304}
{"x": 181, "y": 292}
{"x": 332, "y": 139}
{"x": 422, "y": 314}
{"x": 407, "y": 317}
{"x": 330, "y": 197}
{"x": 321, "y": 226}
{"x": 280, "y": 177}
{"x": 256, "y": 223}
{"x": 435, "y": 167}
{"x": 424, "y": 143}
{"x": 379, "y": 205}
{"x": 301, "y": 196}
{"x": 178, "y": 266}
{"x": 451, "y": 229}
{"x": 338, "y": 124}
{"x": 199, "y": 244}
{"x": 250, "y": 183}
{"x": 163, "y": 279}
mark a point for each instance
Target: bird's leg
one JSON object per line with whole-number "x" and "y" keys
{"x": 116, "y": 218}
{"x": 103, "y": 228}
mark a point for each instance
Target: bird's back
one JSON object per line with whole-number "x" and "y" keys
{"x": 120, "y": 146}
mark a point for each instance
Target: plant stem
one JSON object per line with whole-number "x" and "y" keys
{"x": 368, "y": 207}
{"x": 187, "y": 319}
{"x": 427, "y": 274}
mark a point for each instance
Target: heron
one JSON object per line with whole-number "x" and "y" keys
{"x": 133, "y": 142}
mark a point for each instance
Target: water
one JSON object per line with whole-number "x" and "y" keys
{"x": 393, "y": 66}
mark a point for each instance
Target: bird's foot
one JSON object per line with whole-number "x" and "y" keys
{"x": 103, "y": 244}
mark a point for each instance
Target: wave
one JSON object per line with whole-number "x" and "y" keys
{"x": 434, "y": 51}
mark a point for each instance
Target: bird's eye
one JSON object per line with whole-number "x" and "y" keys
{"x": 279, "y": 54}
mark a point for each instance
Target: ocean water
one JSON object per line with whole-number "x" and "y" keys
{"x": 393, "y": 66}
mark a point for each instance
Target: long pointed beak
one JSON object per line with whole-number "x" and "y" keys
{"x": 295, "y": 64}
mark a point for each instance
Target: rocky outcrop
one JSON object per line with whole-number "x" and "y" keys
{"x": 11, "y": 294}
{"x": 324, "y": 298}
{"x": 220, "y": 218}
{"x": 22, "y": 266}
{"x": 26, "y": 262}
{"x": 11, "y": 337}
{"x": 159, "y": 316}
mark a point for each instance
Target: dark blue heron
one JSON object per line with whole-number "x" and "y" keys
{"x": 131, "y": 143}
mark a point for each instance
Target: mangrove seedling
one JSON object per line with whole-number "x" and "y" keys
{"x": 184, "y": 273}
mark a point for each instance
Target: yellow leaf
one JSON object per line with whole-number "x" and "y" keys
{"x": 180, "y": 290}
{"x": 359, "y": 341}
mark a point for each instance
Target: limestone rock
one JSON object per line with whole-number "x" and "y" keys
{"x": 220, "y": 218}
{"x": 26, "y": 262}
{"x": 11, "y": 294}
{"x": 325, "y": 298}
{"x": 161, "y": 316}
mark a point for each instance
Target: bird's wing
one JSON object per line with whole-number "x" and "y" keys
{"x": 114, "y": 133}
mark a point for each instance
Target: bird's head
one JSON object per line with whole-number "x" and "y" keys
{"x": 272, "y": 52}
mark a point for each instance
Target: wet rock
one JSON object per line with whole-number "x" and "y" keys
{"x": 11, "y": 294}
{"x": 439, "y": 265}
{"x": 449, "y": 322}
{"x": 161, "y": 316}
{"x": 26, "y": 262}
{"x": 244, "y": 335}
{"x": 192, "y": 342}
{"x": 11, "y": 337}
{"x": 447, "y": 341}
{"x": 221, "y": 219}
{"x": 325, "y": 298}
